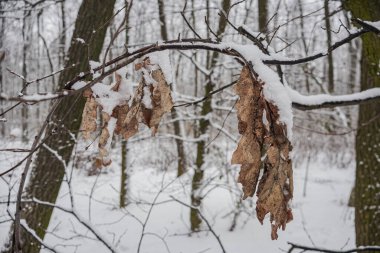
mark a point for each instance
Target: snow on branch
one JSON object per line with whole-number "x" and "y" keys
{"x": 371, "y": 26}
{"x": 319, "y": 101}
{"x": 231, "y": 49}
{"x": 315, "y": 249}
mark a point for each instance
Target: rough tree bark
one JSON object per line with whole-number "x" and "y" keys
{"x": 48, "y": 172}
{"x": 367, "y": 184}
{"x": 196, "y": 198}
{"x": 181, "y": 165}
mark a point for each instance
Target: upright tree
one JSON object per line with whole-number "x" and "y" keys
{"x": 48, "y": 172}
{"x": 25, "y": 48}
{"x": 62, "y": 36}
{"x": 124, "y": 144}
{"x": 263, "y": 15}
{"x": 367, "y": 183}
{"x": 2, "y": 56}
{"x": 181, "y": 164}
{"x": 204, "y": 123}
{"x": 330, "y": 66}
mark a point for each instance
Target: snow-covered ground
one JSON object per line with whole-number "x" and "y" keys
{"x": 321, "y": 218}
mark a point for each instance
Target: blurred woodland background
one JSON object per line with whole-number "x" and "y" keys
{"x": 177, "y": 191}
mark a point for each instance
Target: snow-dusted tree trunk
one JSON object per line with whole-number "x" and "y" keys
{"x": 330, "y": 60}
{"x": 204, "y": 123}
{"x": 62, "y": 36}
{"x": 124, "y": 144}
{"x": 25, "y": 48}
{"x": 367, "y": 201}
{"x": 2, "y": 30}
{"x": 48, "y": 172}
{"x": 181, "y": 165}
{"x": 263, "y": 14}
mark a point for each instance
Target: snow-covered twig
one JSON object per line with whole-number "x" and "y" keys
{"x": 327, "y": 101}
{"x": 315, "y": 249}
{"x": 209, "y": 95}
{"x": 371, "y": 26}
{"x": 15, "y": 150}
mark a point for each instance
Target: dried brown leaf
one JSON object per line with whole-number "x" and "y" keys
{"x": 161, "y": 99}
{"x": 130, "y": 124}
{"x": 89, "y": 117}
{"x": 116, "y": 86}
{"x": 275, "y": 187}
{"x": 158, "y": 94}
{"x": 104, "y": 139}
{"x": 248, "y": 153}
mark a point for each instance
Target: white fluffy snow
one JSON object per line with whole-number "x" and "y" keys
{"x": 78, "y": 85}
{"x": 108, "y": 98}
{"x": 374, "y": 24}
{"x": 321, "y": 218}
{"x": 325, "y": 98}
{"x": 16, "y": 132}
{"x": 162, "y": 58}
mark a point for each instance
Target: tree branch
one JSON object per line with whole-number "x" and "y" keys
{"x": 313, "y": 102}
{"x": 306, "y": 248}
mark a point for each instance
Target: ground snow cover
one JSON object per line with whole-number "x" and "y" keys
{"x": 321, "y": 217}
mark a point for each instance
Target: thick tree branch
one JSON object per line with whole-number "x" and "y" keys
{"x": 312, "y": 102}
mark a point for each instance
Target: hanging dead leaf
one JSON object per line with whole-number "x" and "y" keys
{"x": 88, "y": 125}
{"x": 263, "y": 134}
{"x": 161, "y": 99}
{"x": 117, "y": 84}
{"x": 104, "y": 140}
{"x": 130, "y": 123}
{"x": 151, "y": 100}
{"x": 248, "y": 153}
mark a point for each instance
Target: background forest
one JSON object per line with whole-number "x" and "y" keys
{"x": 63, "y": 188}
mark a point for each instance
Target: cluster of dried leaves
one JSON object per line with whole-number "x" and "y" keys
{"x": 264, "y": 146}
{"x": 152, "y": 99}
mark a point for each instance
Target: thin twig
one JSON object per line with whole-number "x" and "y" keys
{"x": 205, "y": 220}
{"x": 187, "y": 22}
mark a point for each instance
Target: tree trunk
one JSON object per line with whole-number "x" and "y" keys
{"x": 263, "y": 15}
{"x": 26, "y": 43}
{"x": 62, "y": 38}
{"x": 124, "y": 175}
{"x": 196, "y": 198}
{"x": 367, "y": 190}
{"x": 2, "y": 30}
{"x": 305, "y": 67}
{"x": 124, "y": 149}
{"x": 330, "y": 67}
{"x": 48, "y": 172}
{"x": 181, "y": 165}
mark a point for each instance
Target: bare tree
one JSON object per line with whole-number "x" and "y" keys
{"x": 367, "y": 202}
{"x": 181, "y": 165}
{"x": 196, "y": 198}
{"x": 48, "y": 172}
{"x": 330, "y": 67}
